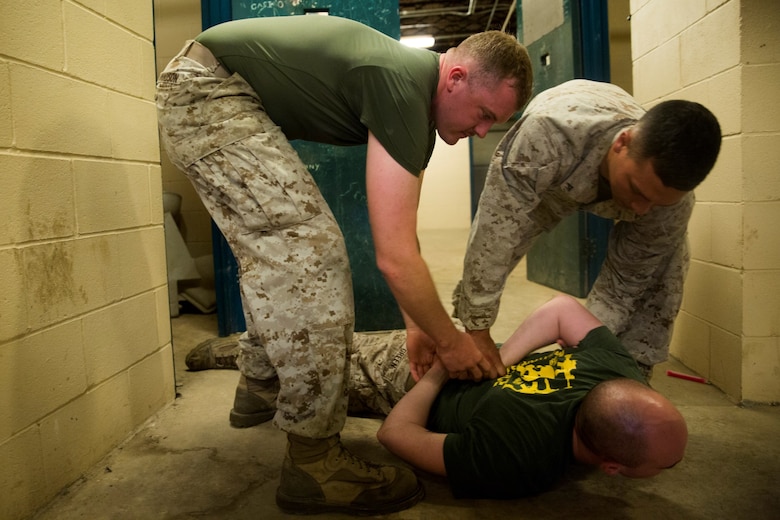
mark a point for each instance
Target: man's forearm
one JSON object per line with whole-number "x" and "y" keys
{"x": 415, "y": 406}
{"x": 404, "y": 431}
{"x": 560, "y": 319}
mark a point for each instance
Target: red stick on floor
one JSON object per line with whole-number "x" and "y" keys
{"x": 687, "y": 377}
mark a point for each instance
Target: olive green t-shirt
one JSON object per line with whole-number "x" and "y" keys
{"x": 512, "y": 436}
{"x": 331, "y": 80}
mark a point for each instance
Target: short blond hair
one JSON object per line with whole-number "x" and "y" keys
{"x": 499, "y": 56}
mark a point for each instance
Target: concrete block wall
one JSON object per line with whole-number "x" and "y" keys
{"x": 85, "y": 346}
{"x": 760, "y": 48}
{"x": 725, "y": 54}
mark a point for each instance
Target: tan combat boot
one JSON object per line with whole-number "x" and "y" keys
{"x": 214, "y": 353}
{"x": 255, "y": 401}
{"x": 321, "y": 476}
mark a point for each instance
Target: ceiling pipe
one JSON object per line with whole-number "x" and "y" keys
{"x": 492, "y": 12}
{"x": 442, "y": 10}
{"x": 509, "y": 15}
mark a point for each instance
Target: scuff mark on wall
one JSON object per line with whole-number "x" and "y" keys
{"x": 50, "y": 275}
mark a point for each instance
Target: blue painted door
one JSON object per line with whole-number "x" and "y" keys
{"x": 339, "y": 172}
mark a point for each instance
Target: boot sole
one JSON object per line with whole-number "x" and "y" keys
{"x": 247, "y": 420}
{"x": 301, "y": 506}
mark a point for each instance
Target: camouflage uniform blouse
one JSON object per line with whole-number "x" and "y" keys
{"x": 547, "y": 167}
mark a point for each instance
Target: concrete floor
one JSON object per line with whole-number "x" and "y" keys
{"x": 187, "y": 462}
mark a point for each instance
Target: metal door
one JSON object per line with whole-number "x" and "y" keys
{"x": 333, "y": 168}
{"x": 567, "y": 39}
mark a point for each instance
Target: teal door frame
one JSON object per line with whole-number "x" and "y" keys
{"x": 213, "y": 12}
{"x": 595, "y": 65}
{"x": 230, "y": 314}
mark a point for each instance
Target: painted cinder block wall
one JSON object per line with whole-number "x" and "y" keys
{"x": 85, "y": 346}
{"x": 85, "y": 354}
{"x": 726, "y": 55}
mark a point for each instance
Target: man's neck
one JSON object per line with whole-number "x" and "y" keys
{"x": 581, "y": 452}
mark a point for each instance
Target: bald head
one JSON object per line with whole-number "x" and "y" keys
{"x": 632, "y": 429}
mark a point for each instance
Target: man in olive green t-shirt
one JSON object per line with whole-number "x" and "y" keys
{"x": 228, "y": 105}
{"x": 587, "y": 402}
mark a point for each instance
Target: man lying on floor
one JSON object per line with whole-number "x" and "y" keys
{"x": 586, "y": 402}
{"x": 514, "y": 436}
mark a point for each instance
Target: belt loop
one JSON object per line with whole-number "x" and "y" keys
{"x": 186, "y": 49}
{"x": 201, "y": 54}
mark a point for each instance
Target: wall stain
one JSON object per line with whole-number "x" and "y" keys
{"x": 50, "y": 274}
{"x": 751, "y": 235}
{"x": 51, "y": 228}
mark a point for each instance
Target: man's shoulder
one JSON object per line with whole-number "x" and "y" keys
{"x": 602, "y": 354}
{"x": 601, "y": 337}
{"x": 580, "y": 98}
{"x": 586, "y": 86}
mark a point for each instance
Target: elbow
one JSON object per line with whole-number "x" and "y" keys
{"x": 395, "y": 255}
{"x": 388, "y": 437}
{"x": 390, "y": 266}
{"x": 565, "y": 302}
{"x": 382, "y": 435}
{"x": 384, "y": 264}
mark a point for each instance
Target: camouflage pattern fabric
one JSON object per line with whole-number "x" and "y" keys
{"x": 547, "y": 167}
{"x": 295, "y": 278}
{"x": 379, "y": 372}
{"x": 639, "y": 289}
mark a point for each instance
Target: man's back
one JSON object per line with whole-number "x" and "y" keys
{"x": 330, "y": 80}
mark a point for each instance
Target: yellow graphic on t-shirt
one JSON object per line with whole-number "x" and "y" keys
{"x": 540, "y": 375}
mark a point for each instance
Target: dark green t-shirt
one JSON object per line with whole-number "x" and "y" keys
{"x": 330, "y": 80}
{"x": 512, "y": 437}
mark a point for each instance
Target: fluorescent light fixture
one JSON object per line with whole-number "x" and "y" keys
{"x": 423, "y": 42}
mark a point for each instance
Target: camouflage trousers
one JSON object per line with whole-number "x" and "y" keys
{"x": 379, "y": 372}
{"x": 295, "y": 278}
{"x": 645, "y": 331}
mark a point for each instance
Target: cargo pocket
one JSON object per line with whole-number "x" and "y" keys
{"x": 238, "y": 157}
{"x": 264, "y": 182}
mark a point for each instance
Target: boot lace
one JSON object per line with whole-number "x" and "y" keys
{"x": 359, "y": 465}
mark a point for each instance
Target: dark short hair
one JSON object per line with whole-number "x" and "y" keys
{"x": 608, "y": 425}
{"x": 681, "y": 139}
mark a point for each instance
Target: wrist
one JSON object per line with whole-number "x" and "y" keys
{"x": 479, "y": 333}
{"x": 437, "y": 375}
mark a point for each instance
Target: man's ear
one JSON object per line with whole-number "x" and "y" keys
{"x": 457, "y": 74}
{"x": 610, "y": 468}
{"x": 623, "y": 140}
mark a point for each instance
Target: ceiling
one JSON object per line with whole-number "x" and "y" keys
{"x": 451, "y": 22}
